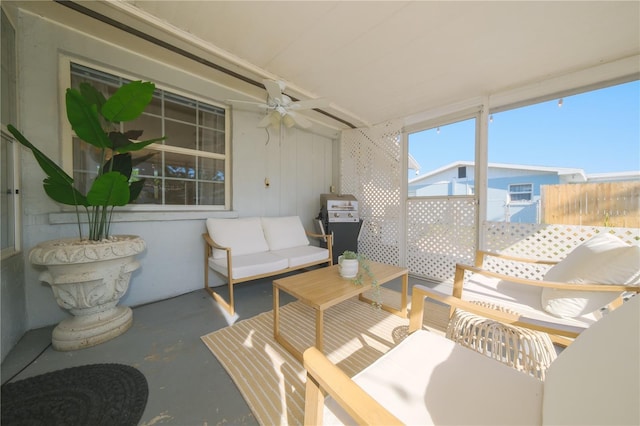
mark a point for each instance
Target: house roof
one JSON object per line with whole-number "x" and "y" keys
{"x": 380, "y": 60}
{"x": 560, "y": 171}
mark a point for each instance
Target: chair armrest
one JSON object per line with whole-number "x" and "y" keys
{"x": 461, "y": 268}
{"x": 213, "y": 244}
{"x": 481, "y": 255}
{"x": 420, "y": 293}
{"x": 324, "y": 237}
{"x": 322, "y": 375}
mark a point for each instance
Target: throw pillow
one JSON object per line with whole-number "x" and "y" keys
{"x": 603, "y": 259}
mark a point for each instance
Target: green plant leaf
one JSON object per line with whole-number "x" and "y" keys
{"x": 128, "y": 102}
{"x": 109, "y": 189}
{"x": 135, "y": 188}
{"x": 63, "y": 193}
{"x": 85, "y": 120}
{"x": 48, "y": 166}
{"x": 121, "y": 163}
{"x": 92, "y": 95}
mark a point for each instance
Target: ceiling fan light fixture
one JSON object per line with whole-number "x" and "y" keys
{"x": 288, "y": 121}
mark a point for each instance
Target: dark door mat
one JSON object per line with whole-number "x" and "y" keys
{"x": 97, "y": 394}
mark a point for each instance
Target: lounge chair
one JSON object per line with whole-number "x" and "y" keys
{"x": 571, "y": 294}
{"x": 428, "y": 379}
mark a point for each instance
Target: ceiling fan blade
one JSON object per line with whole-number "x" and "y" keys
{"x": 260, "y": 105}
{"x": 299, "y": 120}
{"x": 309, "y": 104}
{"x": 274, "y": 89}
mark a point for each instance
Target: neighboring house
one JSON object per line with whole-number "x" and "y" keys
{"x": 513, "y": 189}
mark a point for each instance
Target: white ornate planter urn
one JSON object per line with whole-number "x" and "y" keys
{"x": 88, "y": 278}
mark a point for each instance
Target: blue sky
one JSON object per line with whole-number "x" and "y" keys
{"x": 597, "y": 131}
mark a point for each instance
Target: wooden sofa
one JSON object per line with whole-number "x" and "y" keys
{"x": 428, "y": 379}
{"x": 246, "y": 249}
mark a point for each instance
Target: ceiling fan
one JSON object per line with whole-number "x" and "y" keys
{"x": 281, "y": 109}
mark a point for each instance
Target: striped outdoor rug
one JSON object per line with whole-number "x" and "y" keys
{"x": 272, "y": 381}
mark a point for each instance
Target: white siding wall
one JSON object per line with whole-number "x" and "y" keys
{"x": 299, "y": 166}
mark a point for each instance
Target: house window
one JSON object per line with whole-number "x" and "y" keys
{"x": 521, "y": 192}
{"x": 189, "y": 168}
{"x": 9, "y": 202}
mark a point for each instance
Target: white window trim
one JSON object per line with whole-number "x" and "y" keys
{"x": 529, "y": 201}
{"x": 66, "y": 135}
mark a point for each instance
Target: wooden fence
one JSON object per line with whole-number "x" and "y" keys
{"x": 614, "y": 204}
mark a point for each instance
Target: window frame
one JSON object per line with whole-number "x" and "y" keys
{"x": 66, "y": 144}
{"x": 11, "y": 162}
{"x": 511, "y": 192}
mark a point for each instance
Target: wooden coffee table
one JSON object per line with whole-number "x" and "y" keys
{"x": 323, "y": 288}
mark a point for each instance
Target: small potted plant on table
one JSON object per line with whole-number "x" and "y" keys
{"x": 350, "y": 264}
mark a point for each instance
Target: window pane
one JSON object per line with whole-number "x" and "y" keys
{"x": 441, "y": 160}
{"x": 212, "y": 141}
{"x": 180, "y": 134}
{"x": 151, "y": 126}
{"x": 195, "y": 127}
{"x": 7, "y": 217}
{"x": 180, "y": 108}
{"x": 581, "y": 156}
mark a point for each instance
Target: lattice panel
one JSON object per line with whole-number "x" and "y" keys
{"x": 540, "y": 241}
{"x": 440, "y": 233}
{"x": 370, "y": 169}
{"x": 546, "y": 241}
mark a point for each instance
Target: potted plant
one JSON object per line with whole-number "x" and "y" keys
{"x": 88, "y": 276}
{"x": 352, "y": 265}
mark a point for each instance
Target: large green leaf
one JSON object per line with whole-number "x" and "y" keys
{"x": 92, "y": 95}
{"x": 109, "y": 189}
{"x": 137, "y": 146}
{"x": 63, "y": 193}
{"x": 85, "y": 120}
{"x": 135, "y": 188}
{"x": 50, "y": 168}
{"x": 128, "y": 102}
{"x": 121, "y": 163}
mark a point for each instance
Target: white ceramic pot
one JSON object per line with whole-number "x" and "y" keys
{"x": 348, "y": 267}
{"x": 88, "y": 278}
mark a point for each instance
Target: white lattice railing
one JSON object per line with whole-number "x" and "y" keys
{"x": 440, "y": 232}
{"x": 370, "y": 170}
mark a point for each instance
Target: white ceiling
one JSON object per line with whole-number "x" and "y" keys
{"x": 381, "y": 60}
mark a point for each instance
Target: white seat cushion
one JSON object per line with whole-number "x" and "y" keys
{"x": 284, "y": 232}
{"x": 521, "y": 298}
{"x": 243, "y": 236}
{"x": 249, "y": 264}
{"x": 603, "y": 259}
{"x": 427, "y": 379}
{"x": 300, "y": 255}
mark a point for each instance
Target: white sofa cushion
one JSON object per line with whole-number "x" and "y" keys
{"x": 284, "y": 232}
{"x": 297, "y": 256}
{"x": 604, "y": 259}
{"x": 423, "y": 380}
{"x": 243, "y": 236}
{"x": 596, "y": 380}
{"x": 249, "y": 264}
{"x": 520, "y": 298}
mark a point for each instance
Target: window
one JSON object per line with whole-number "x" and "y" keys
{"x": 9, "y": 202}
{"x": 520, "y": 192}
{"x": 189, "y": 168}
